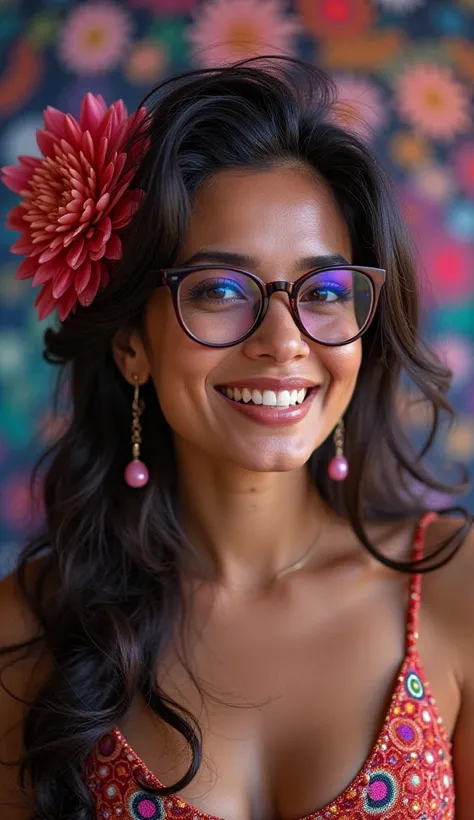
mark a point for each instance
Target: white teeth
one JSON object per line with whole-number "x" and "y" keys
{"x": 283, "y": 399}
{"x": 269, "y": 398}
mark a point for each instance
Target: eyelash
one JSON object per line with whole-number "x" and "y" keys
{"x": 198, "y": 290}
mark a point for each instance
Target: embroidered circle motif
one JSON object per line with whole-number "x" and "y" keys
{"x": 405, "y": 734}
{"x": 108, "y": 749}
{"x": 414, "y": 686}
{"x": 106, "y": 745}
{"x": 414, "y": 781}
{"x": 144, "y": 806}
{"x": 380, "y": 793}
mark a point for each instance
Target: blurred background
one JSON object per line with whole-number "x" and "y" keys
{"x": 405, "y": 71}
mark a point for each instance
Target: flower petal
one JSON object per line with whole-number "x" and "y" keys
{"x": 50, "y": 253}
{"x": 83, "y": 275}
{"x": 45, "y": 302}
{"x": 67, "y": 303}
{"x": 114, "y": 248}
{"x": 89, "y": 293}
{"x": 107, "y": 175}
{"x": 46, "y": 142}
{"x": 71, "y": 237}
{"x": 27, "y": 268}
{"x": 22, "y": 246}
{"x": 54, "y": 121}
{"x": 30, "y": 162}
{"x": 16, "y": 219}
{"x": 97, "y": 254}
{"x": 16, "y": 178}
{"x": 61, "y": 283}
{"x": 72, "y": 132}
{"x": 102, "y": 203}
{"x": 96, "y": 242}
{"x": 92, "y": 113}
{"x": 123, "y": 212}
{"x": 88, "y": 146}
{"x": 45, "y": 273}
{"x": 105, "y": 227}
{"x": 75, "y": 253}
{"x": 106, "y": 126}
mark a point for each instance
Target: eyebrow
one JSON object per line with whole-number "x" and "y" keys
{"x": 240, "y": 260}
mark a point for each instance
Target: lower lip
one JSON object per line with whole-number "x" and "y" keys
{"x": 274, "y": 416}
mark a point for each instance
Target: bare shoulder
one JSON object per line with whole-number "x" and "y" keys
{"x": 448, "y": 590}
{"x": 22, "y": 671}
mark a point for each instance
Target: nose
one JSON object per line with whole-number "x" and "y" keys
{"x": 278, "y": 337}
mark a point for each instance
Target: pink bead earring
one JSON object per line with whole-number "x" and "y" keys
{"x": 136, "y": 472}
{"x": 338, "y": 467}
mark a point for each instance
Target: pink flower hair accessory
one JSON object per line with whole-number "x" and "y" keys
{"x": 75, "y": 202}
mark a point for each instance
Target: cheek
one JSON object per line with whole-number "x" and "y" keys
{"x": 343, "y": 364}
{"x": 180, "y": 368}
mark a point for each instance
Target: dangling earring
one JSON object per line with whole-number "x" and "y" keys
{"x": 338, "y": 468}
{"x": 136, "y": 472}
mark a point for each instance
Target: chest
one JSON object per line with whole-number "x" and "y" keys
{"x": 290, "y": 700}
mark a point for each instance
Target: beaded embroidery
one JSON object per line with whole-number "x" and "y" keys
{"x": 408, "y": 774}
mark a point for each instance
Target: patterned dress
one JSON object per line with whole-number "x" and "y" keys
{"x": 408, "y": 774}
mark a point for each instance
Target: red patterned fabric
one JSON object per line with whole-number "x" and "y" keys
{"x": 407, "y": 775}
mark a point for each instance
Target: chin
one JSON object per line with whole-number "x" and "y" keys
{"x": 271, "y": 460}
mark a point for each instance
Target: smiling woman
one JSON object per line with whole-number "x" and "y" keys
{"x": 232, "y": 623}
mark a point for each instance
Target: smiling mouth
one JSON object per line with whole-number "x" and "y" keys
{"x": 267, "y": 398}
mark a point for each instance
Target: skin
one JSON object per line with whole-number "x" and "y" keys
{"x": 312, "y": 654}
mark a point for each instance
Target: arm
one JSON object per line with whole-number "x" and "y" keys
{"x": 20, "y": 679}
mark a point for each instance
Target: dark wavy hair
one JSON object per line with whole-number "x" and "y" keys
{"x": 117, "y": 554}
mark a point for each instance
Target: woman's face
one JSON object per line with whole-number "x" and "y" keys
{"x": 276, "y": 220}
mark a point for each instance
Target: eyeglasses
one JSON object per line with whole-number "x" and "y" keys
{"x": 219, "y": 306}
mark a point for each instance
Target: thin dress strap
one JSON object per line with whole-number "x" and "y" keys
{"x": 415, "y": 581}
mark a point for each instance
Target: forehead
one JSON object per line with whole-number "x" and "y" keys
{"x": 280, "y": 213}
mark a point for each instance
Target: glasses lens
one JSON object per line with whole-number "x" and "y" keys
{"x": 219, "y": 306}
{"x": 335, "y": 305}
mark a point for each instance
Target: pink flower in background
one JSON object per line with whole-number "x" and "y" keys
{"x": 228, "y": 30}
{"x": 94, "y": 37}
{"x": 146, "y": 62}
{"x": 430, "y": 98}
{"x": 446, "y": 268}
{"x": 463, "y": 164}
{"x": 75, "y": 202}
{"x": 434, "y": 181}
{"x": 360, "y": 107}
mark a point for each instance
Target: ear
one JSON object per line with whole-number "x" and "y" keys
{"x": 130, "y": 356}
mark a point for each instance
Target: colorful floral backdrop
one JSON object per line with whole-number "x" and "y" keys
{"x": 405, "y": 69}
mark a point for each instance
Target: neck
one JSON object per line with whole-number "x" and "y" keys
{"x": 249, "y": 528}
